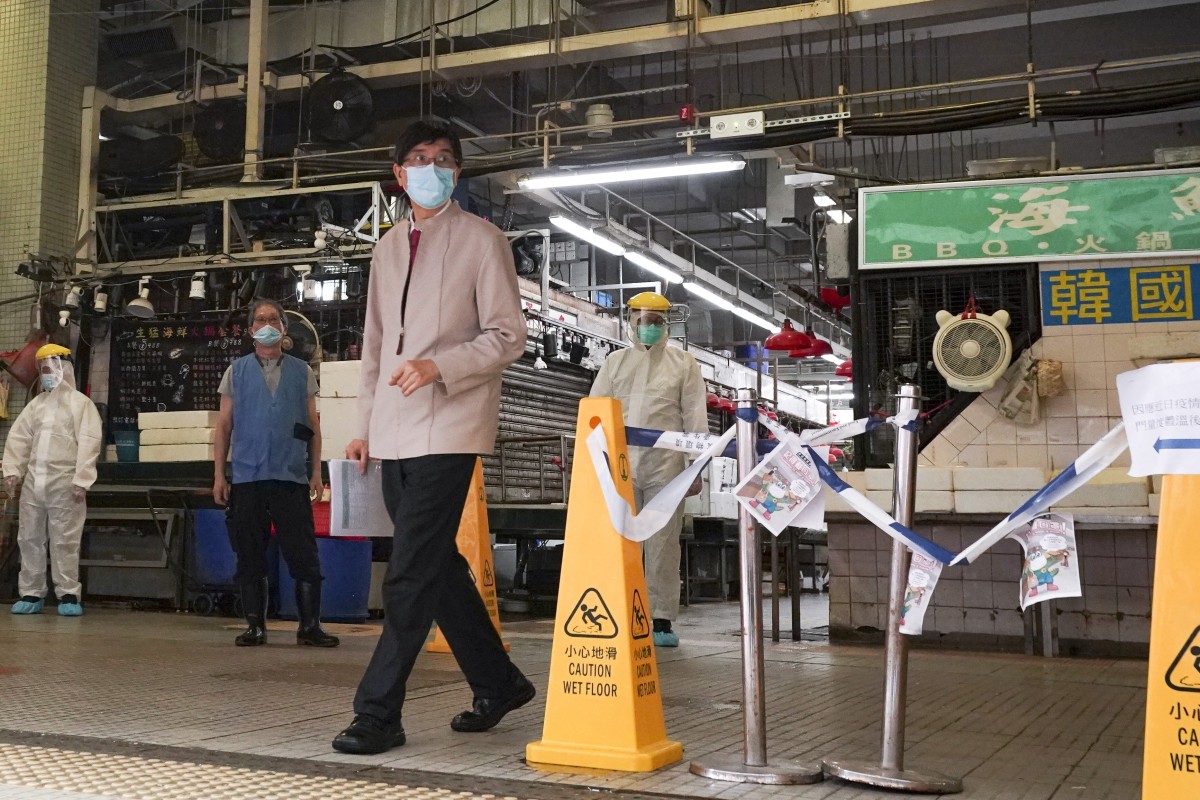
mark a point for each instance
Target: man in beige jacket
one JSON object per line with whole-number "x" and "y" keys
{"x": 443, "y": 321}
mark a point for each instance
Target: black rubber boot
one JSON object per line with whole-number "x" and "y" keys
{"x": 254, "y": 605}
{"x": 308, "y": 607}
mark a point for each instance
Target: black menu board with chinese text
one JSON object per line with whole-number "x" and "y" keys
{"x": 169, "y": 365}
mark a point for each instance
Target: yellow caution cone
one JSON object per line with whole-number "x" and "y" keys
{"x": 475, "y": 544}
{"x": 604, "y": 701}
{"x": 1171, "y": 760}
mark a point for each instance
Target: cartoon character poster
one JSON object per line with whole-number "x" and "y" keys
{"x": 923, "y": 574}
{"x": 784, "y": 490}
{"x": 1051, "y": 566}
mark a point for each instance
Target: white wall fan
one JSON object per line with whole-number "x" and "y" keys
{"x": 972, "y": 350}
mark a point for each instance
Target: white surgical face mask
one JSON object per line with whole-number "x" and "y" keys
{"x": 267, "y": 335}
{"x": 429, "y": 186}
{"x": 51, "y": 372}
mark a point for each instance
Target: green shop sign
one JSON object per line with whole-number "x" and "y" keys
{"x": 1038, "y": 219}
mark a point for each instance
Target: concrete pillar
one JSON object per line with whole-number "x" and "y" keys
{"x": 47, "y": 57}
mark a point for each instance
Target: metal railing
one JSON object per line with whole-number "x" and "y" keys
{"x": 533, "y": 469}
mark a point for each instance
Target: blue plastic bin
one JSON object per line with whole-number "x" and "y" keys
{"x": 346, "y": 565}
{"x": 127, "y": 445}
{"x": 213, "y": 561}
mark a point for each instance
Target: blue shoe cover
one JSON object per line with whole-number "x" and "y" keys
{"x": 28, "y": 606}
{"x": 666, "y": 639}
{"x": 70, "y": 610}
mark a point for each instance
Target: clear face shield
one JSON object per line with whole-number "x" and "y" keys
{"x": 651, "y": 327}
{"x": 51, "y": 369}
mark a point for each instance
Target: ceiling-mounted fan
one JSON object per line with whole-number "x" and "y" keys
{"x": 340, "y": 107}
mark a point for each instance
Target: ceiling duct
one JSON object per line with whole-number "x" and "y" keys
{"x": 134, "y": 44}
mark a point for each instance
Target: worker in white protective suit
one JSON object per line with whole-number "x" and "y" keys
{"x": 659, "y": 387}
{"x": 52, "y": 447}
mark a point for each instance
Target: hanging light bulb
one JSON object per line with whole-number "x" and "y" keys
{"x": 197, "y": 288}
{"x": 72, "y": 298}
{"x": 100, "y": 301}
{"x": 141, "y": 306}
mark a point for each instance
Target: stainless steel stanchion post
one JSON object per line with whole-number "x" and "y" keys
{"x": 890, "y": 773}
{"x": 752, "y": 766}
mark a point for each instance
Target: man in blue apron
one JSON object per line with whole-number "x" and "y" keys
{"x": 269, "y": 410}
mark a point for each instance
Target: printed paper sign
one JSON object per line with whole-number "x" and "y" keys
{"x": 356, "y": 505}
{"x": 1051, "y": 567}
{"x": 923, "y": 574}
{"x": 781, "y": 487}
{"x": 1161, "y": 408}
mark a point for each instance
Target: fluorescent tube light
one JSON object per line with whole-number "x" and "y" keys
{"x": 823, "y": 200}
{"x": 683, "y": 166}
{"x": 833, "y": 359}
{"x": 652, "y": 266}
{"x": 712, "y": 297}
{"x": 588, "y": 235}
{"x": 750, "y": 316}
{"x": 839, "y": 216}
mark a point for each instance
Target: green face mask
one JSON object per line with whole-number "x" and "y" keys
{"x": 651, "y": 335}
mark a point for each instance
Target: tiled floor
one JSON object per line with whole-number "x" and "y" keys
{"x": 122, "y": 704}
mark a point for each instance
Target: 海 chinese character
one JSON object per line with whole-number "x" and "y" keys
{"x": 1037, "y": 216}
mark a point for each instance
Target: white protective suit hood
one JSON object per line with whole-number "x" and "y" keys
{"x": 659, "y": 387}
{"x": 53, "y": 447}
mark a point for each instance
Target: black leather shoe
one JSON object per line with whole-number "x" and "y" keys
{"x": 368, "y": 735}
{"x": 253, "y": 636}
{"x": 486, "y": 712}
{"x": 316, "y": 637}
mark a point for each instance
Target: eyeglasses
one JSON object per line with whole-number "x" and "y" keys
{"x": 267, "y": 320}
{"x": 422, "y": 160}
{"x": 656, "y": 322}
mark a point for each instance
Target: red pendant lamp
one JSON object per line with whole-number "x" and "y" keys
{"x": 788, "y": 339}
{"x": 819, "y": 347}
{"x": 844, "y": 369}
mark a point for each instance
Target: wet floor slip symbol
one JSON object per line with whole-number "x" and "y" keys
{"x": 640, "y": 624}
{"x": 1184, "y": 672}
{"x": 488, "y": 578}
{"x": 591, "y": 618}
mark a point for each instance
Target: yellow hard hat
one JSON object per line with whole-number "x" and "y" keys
{"x": 649, "y": 301}
{"x": 48, "y": 350}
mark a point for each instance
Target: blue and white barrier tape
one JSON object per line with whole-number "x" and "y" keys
{"x": 1082, "y": 470}
{"x": 854, "y": 498}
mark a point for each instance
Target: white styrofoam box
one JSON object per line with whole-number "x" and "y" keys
{"x": 834, "y": 501}
{"x": 148, "y": 420}
{"x": 881, "y": 499}
{"x": 991, "y": 479}
{"x": 175, "y": 452}
{"x": 1101, "y": 495}
{"x": 1155, "y": 504}
{"x": 989, "y": 502}
{"x": 339, "y": 424}
{"x": 177, "y": 436}
{"x": 1107, "y": 511}
{"x": 924, "y": 501}
{"x": 723, "y": 473}
{"x": 856, "y": 480}
{"x": 340, "y": 378}
{"x": 722, "y": 505}
{"x": 933, "y": 479}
